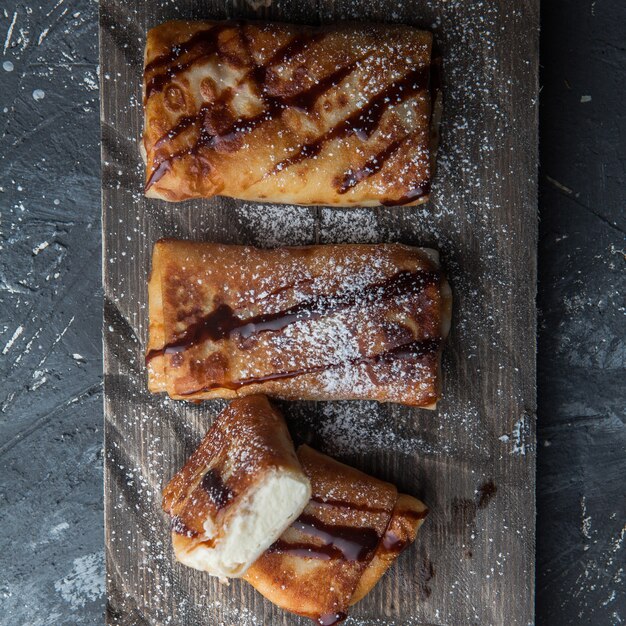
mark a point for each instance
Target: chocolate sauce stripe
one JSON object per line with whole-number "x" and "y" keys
{"x": 178, "y": 50}
{"x": 393, "y": 544}
{"x": 217, "y": 491}
{"x": 409, "y": 351}
{"x": 297, "y": 45}
{"x": 185, "y": 122}
{"x": 390, "y": 541}
{"x": 209, "y": 39}
{"x": 364, "y": 121}
{"x": 350, "y": 543}
{"x": 373, "y": 165}
{"x": 222, "y": 322}
{"x": 157, "y": 83}
{"x": 304, "y": 100}
{"x": 414, "y": 194}
{"x": 305, "y": 550}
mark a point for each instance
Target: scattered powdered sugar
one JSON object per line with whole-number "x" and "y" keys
{"x": 353, "y": 427}
{"x": 271, "y": 225}
{"x": 520, "y": 438}
{"x": 149, "y": 438}
{"x": 586, "y": 519}
{"x": 350, "y": 226}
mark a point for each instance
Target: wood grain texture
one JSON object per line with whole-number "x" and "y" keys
{"x": 472, "y": 461}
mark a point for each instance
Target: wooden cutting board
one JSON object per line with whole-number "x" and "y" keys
{"x": 473, "y": 460}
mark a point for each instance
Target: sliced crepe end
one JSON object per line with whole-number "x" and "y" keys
{"x": 238, "y": 492}
{"x": 253, "y": 524}
{"x": 407, "y": 517}
{"x": 315, "y": 567}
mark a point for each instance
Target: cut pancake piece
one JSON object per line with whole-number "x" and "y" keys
{"x": 238, "y": 492}
{"x": 344, "y": 541}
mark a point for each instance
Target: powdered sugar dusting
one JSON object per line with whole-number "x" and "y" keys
{"x": 361, "y": 428}
{"x": 480, "y": 426}
{"x": 275, "y": 225}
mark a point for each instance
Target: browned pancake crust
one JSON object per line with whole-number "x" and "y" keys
{"x": 247, "y": 439}
{"x": 351, "y": 532}
{"x": 314, "y": 322}
{"x": 316, "y": 565}
{"x": 407, "y": 517}
{"x": 337, "y": 115}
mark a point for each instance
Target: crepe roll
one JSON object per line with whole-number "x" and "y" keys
{"x": 327, "y": 322}
{"x": 351, "y": 531}
{"x": 238, "y": 492}
{"x": 344, "y": 114}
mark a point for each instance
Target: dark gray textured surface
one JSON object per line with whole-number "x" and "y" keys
{"x": 51, "y": 538}
{"x": 581, "y": 480}
{"x": 51, "y": 547}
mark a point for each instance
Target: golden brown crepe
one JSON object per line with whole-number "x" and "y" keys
{"x": 312, "y": 322}
{"x": 354, "y": 527}
{"x": 338, "y": 115}
{"x": 407, "y": 517}
{"x": 238, "y": 492}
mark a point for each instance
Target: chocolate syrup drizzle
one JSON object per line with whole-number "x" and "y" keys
{"x": 305, "y": 550}
{"x": 391, "y": 542}
{"x": 346, "y": 542}
{"x": 373, "y": 165}
{"x": 414, "y": 350}
{"x": 361, "y": 123}
{"x": 223, "y": 323}
{"x": 216, "y": 489}
{"x": 205, "y": 43}
{"x": 364, "y": 121}
{"x": 411, "y": 196}
{"x": 304, "y": 100}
